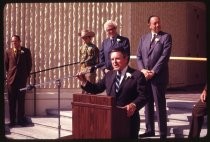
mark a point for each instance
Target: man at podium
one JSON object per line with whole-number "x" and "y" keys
{"x": 123, "y": 82}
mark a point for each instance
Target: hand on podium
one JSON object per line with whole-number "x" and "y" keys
{"x": 131, "y": 108}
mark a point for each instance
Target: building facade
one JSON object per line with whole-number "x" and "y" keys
{"x": 51, "y": 30}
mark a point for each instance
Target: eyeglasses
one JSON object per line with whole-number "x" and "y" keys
{"x": 15, "y": 41}
{"x": 110, "y": 29}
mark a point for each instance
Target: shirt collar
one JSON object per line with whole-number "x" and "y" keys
{"x": 154, "y": 33}
{"x": 124, "y": 71}
{"x": 15, "y": 49}
{"x": 114, "y": 37}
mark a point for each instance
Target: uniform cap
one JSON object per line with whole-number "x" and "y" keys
{"x": 86, "y": 33}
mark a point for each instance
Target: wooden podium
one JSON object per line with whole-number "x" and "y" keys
{"x": 97, "y": 117}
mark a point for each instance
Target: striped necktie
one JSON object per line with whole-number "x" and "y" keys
{"x": 117, "y": 82}
{"x": 153, "y": 39}
{"x": 112, "y": 41}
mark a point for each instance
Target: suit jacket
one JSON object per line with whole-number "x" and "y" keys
{"x": 132, "y": 89}
{"x": 155, "y": 58}
{"x": 107, "y": 46}
{"x": 18, "y": 68}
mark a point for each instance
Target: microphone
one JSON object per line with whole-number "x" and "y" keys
{"x": 93, "y": 68}
{"x": 28, "y": 87}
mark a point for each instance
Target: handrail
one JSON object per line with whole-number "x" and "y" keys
{"x": 34, "y": 81}
{"x": 55, "y": 67}
{"x": 180, "y": 58}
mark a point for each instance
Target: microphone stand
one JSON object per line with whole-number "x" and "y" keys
{"x": 58, "y": 83}
{"x": 34, "y": 74}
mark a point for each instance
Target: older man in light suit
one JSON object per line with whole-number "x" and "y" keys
{"x": 153, "y": 54}
{"x": 114, "y": 40}
{"x": 129, "y": 93}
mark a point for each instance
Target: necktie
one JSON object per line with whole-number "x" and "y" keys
{"x": 153, "y": 39}
{"x": 112, "y": 41}
{"x": 117, "y": 82}
{"x": 17, "y": 53}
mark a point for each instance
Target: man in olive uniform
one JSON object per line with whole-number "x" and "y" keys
{"x": 89, "y": 55}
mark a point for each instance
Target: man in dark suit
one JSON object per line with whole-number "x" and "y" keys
{"x": 129, "y": 88}
{"x": 198, "y": 113}
{"x": 18, "y": 64}
{"x": 153, "y": 54}
{"x": 114, "y": 40}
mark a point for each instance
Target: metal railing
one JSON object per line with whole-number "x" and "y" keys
{"x": 34, "y": 79}
{"x": 58, "y": 83}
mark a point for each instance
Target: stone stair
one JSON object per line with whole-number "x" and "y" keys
{"x": 179, "y": 117}
{"x": 46, "y": 127}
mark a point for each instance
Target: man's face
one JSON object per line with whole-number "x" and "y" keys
{"x": 119, "y": 62}
{"x": 86, "y": 39}
{"x": 15, "y": 42}
{"x": 154, "y": 24}
{"x": 111, "y": 31}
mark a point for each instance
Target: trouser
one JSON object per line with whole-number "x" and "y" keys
{"x": 134, "y": 126}
{"x": 198, "y": 113}
{"x": 156, "y": 94}
{"x": 16, "y": 100}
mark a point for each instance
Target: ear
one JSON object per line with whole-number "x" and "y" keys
{"x": 126, "y": 57}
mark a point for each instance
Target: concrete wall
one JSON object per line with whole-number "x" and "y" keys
{"x": 50, "y": 31}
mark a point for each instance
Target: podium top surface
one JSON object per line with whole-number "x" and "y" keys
{"x": 94, "y": 99}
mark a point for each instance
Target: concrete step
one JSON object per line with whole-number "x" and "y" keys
{"x": 63, "y": 112}
{"x": 13, "y": 135}
{"x": 37, "y": 132}
{"x": 47, "y": 127}
{"x": 180, "y": 104}
{"x": 50, "y": 122}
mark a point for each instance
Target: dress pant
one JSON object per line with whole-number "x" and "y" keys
{"x": 198, "y": 113}
{"x": 16, "y": 100}
{"x": 156, "y": 94}
{"x": 134, "y": 125}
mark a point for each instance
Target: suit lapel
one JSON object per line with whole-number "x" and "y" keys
{"x": 18, "y": 56}
{"x": 110, "y": 42}
{"x": 112, "y": 84}
{"x": 114, "y": 40}
{"x": 148, "y": 40}
{"x": 13, "y": 56}
{"x": 153, "y": 45}
{"x": 123, "y": 83}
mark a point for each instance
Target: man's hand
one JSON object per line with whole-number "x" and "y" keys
{"x": 93, "y": 69}
{"x": 203, "y": 96}
{"x": 151, "y": 73}
{"x": 131, "y": 108}
{"x": 148, "y": 73}
{"x": 81, "y": 77}
{"x": 106, "y": 70}
{"x": 145, "y": 72}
